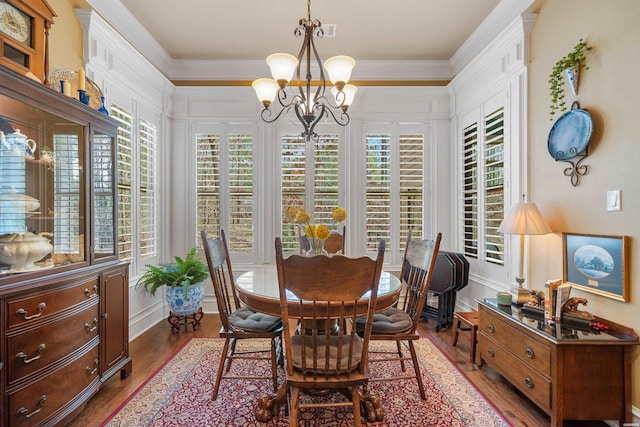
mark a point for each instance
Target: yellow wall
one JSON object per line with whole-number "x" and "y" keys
{"x": 610, "y": 91}
{"x": 65, "y": 37}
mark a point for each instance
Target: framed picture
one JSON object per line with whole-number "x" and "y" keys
{"x": 596, "y": 264}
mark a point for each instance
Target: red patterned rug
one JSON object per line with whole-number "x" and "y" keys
{"x": 179, "y": 394}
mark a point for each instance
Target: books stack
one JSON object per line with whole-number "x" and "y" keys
{"x": 559, "y": 296}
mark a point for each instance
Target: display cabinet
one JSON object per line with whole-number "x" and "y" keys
{"x": 63, "y": 291}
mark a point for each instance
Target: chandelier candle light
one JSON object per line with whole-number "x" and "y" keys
{"x": 523, "y": 219}
{"x": 310, "y": 104}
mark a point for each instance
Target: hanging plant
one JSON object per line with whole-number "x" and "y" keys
{"x": 569, "y": 65}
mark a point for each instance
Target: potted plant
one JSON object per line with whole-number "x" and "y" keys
{"x": 183, "y": 280}
{"x": 569, "y": 65}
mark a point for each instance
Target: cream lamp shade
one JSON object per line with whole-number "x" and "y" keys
{"x": 339, "y": 69}
{"x": 523, "y": 219}
{"x": 266, "y": 90}
{"x": 282, "y": 66}
{"x": 346, "y": 97}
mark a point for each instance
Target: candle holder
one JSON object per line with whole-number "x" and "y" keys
{"x": 83, "y": 97}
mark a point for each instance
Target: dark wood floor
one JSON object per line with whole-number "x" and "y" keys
{"x": 155, "y": 346}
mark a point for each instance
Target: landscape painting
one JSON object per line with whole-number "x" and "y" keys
{"x": 596, "y": 264}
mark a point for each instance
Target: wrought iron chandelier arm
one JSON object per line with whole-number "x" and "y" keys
{"x": 339, "y": 115}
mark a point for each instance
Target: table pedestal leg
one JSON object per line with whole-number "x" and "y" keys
{"x": 268, "y": 406}
{"x": 372, "y": 406}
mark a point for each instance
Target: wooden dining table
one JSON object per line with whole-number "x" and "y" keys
{"x": 258, "y": 289}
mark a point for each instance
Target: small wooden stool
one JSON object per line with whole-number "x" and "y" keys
{"x": 470, "y": 320}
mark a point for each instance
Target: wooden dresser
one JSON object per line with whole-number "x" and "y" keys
{"x": 64, "y": 295}
{"x": 570, "y": 372}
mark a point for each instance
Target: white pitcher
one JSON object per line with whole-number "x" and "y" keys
{"x": 18, "y": 143}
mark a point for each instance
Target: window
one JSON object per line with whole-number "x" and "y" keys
{"x": 483, "y": 185}
{"x": 309, "y": 174}
{"x": 138, "y": 193}
{"x": 125, "y": 181}
{"x": 148, "y": 221}
{"x": 395, "y": 180}
{"x": 225, "y": 189}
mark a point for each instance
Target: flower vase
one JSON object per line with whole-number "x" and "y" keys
{"x": 102, "y": 108}
{"x": 316, "y": 247}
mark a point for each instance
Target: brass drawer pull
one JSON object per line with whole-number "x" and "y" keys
{"x": 28, "y": 414}
{"x": 23, "y": 312}
{"x": 95, "y": 368}
{"x": 23, "y": 356}
{"x": 491, "y": 328}
{"x": 530, "y": 353}
{"x": 490, "y": 351}
{"x": 528, "y": 382}
{"x": 90, "y": 328}
{"x": 89, "y": 293}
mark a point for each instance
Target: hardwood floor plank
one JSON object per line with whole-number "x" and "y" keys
{"x": 151, "y": 349}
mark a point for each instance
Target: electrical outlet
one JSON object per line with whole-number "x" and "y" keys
{"x": 613, "y": 200}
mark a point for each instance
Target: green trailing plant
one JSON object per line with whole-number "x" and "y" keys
{"x": 574, "y": 59}
{"x": 183, "y": 272}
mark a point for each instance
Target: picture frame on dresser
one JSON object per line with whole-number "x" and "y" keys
{"x": 597, "y": 264}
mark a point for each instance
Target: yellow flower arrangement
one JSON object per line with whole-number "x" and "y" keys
{"x": 316, "y": 233}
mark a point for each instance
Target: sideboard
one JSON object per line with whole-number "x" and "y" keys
{"x": 568, "y": 370}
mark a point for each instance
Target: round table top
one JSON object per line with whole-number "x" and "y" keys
{"x": 258, "y": 289}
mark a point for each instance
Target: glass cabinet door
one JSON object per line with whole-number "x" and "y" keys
{"x": 103, "y": 196}
{"x": 42, "y": 190}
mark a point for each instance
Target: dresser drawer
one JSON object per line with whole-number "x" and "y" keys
{"x": 535, "y": 386}
{"x": 34, "y": 349}
{"x": 37, "y": 307}
{"x": 526, "y": 348}
{"x": 32, "y": 405}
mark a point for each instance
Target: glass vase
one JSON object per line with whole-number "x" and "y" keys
{"x": 316, "y": 247}
{"x": 102, "y": 108}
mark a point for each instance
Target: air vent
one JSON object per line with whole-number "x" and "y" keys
{"x": 329, "y": 30}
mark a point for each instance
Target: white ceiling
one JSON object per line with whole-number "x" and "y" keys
{"x": 366, "y": 29}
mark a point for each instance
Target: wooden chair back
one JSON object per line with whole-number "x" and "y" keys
{"x": 417, "y": 269}
{"x": 326, "y": 294}
{"x": 334, "y": 244}
{"x": 217, "y": 254}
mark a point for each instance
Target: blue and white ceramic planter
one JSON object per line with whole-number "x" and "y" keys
{"x": 181, "y": 306}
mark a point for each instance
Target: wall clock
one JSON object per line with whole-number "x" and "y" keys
{"x": 24, "y": 36}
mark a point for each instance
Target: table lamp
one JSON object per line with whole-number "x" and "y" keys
{"x": 523, "y": 219}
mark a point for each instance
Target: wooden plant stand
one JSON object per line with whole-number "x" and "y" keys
{"x": 177, "y": 322}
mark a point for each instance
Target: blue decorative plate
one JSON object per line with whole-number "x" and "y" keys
{"x": 570, "y": 134}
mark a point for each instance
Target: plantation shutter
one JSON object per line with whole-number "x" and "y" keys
{"x": 378, "y": 189}
{"x": 470, "y": 190}
{"x": 148, "y": 220}
{"x": 241, "y": 193}
{"x": 125, "y": 181}
{"x": 207, "y": 185}
{"x": 494, "y": 186}
{"x": 411, "y": 186}
{"x": 325, "y": 176}
{"x": 293, "y": 178}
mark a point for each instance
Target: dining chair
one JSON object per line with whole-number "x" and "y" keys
{"x": 333, "y": 245}
{"x": 323, "y": 294}
{"x": 399, "y": 323}
{"x": 238, "y": 322}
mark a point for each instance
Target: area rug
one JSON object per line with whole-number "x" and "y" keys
{"x": 179, "y": 394}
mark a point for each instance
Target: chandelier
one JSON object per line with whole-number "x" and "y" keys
{"x": 309, "y": 103}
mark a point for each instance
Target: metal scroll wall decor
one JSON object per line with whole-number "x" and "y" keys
{"x": 569, "y": 141}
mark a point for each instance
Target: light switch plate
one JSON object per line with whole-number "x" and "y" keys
{"x": 613, "y": 200}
